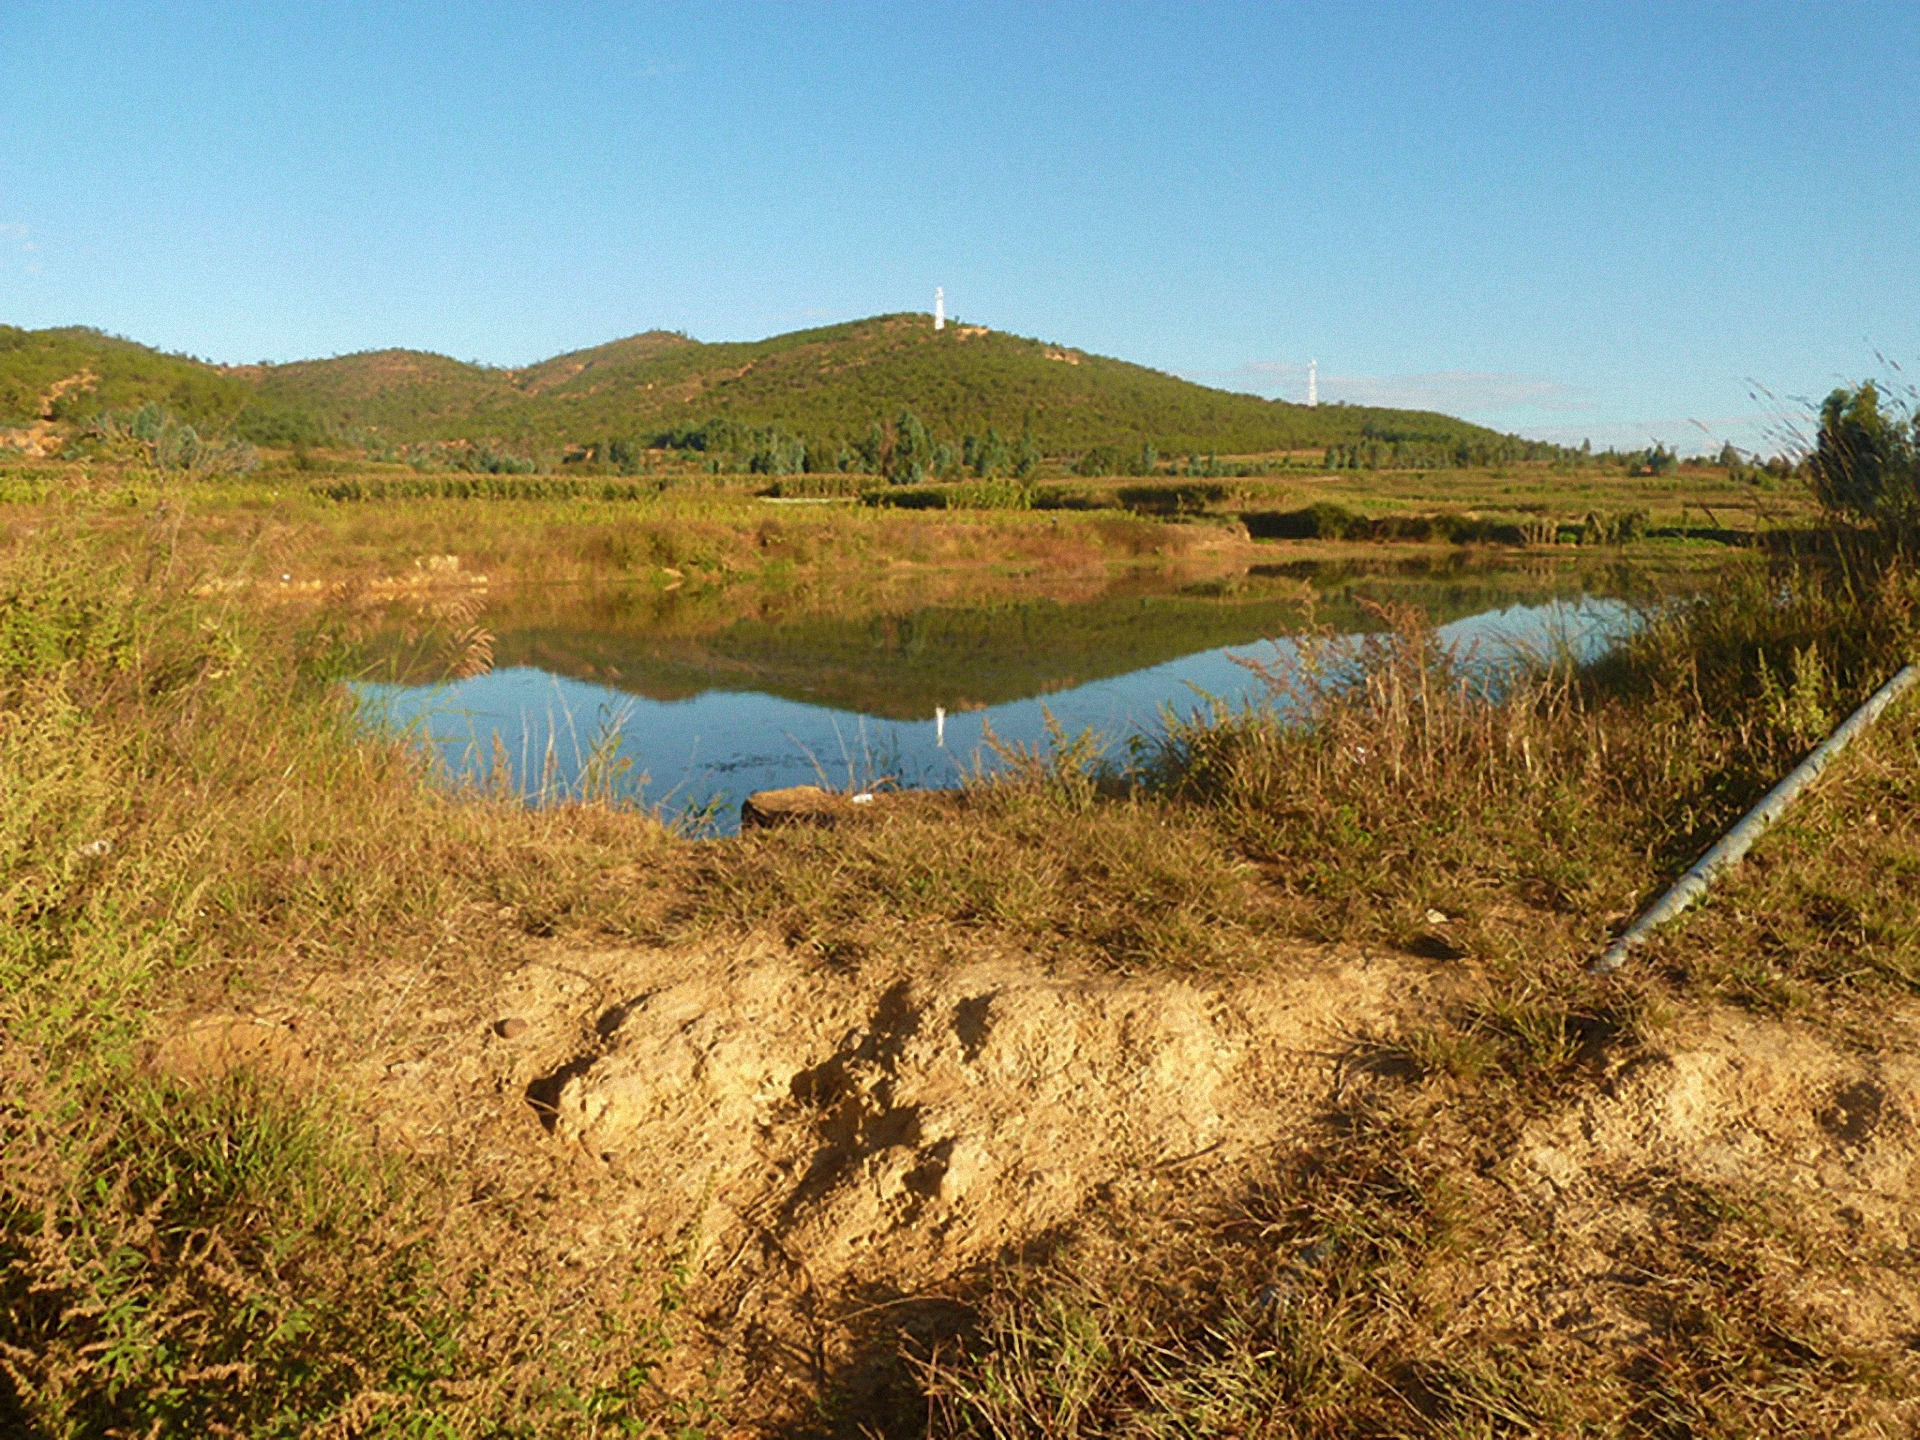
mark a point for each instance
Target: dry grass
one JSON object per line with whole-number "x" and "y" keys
{"x": 1379, "y": 787}
{"x": 1380, "y": 783}
{"x": 1118, "y": 885}
{"x": 237, "y": 530}
{"x": 1346, "y": 1292}
{"x": 189, "y": 813}
{"x": 1359, "y": 1289}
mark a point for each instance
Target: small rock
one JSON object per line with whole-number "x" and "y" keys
{"x": 1435, "y": 917}
{"x": 795, "y": 805}
{"x": 508, "y": 1028}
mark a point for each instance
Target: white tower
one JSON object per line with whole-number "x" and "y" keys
{"x": 1313, "y": 382}
{"x": 939, "y": 308}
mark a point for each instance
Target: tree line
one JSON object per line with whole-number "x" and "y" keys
{"x": 902, "y": 451}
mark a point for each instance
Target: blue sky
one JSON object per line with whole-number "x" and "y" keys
{"x": 1565, "y": 219}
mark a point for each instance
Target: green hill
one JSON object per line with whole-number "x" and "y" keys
{"x": 86, "y": 372}
{"x": 829, "y": 386}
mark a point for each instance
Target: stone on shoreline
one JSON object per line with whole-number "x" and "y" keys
{"x": 799, "y": 805}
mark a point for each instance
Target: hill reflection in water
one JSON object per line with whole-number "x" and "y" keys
{"x": 706, "y": 706}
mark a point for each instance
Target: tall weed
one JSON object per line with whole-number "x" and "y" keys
{"x": 1386, "y": 778}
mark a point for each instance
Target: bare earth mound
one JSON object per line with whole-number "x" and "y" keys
{"x": 815, "y": 1139}
{"x": 823, "y": 1148}
{"x": 819, "y": 1146}
{"x": 1729, "y": 1103}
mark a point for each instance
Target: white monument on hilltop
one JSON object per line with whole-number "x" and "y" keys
{"x": 1313, "y": 382}
{"x": 939, "y": 308}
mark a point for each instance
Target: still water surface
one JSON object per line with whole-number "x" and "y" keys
{"x": 695, "y": 718}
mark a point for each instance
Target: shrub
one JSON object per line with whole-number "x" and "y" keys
{"x": 990, "y": 495}
{"x": 1864, "y": 462}
{"x": 1620, "y": 529}
{"x": 825, "y": 485}
{"x": 170, "y": 444}
{"x": 1170, "y": 498}
{"x": 1321, "y": 521}
{"x": 1074, "y": 497}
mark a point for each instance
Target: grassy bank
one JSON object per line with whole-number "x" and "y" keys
{"x": 266, "y": 530}
{"x": 1358, "y": 1284}
{"x": 1403, "y": 1270}
{"x": 190, "y": 814}
{"x": 536, "y": 527}
{"x": 191, "y": 818}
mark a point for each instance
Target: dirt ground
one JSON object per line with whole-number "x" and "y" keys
{"x": 834, "y": 1158}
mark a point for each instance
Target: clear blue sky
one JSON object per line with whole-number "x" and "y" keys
{"x": 1568, "y": 219}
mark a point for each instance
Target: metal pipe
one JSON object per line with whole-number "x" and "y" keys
{"x": 1737, "y": 841}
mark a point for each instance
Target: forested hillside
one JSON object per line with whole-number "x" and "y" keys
{"x": 829, "y": 386}
{"x": 74, "y": 374}
{"x": 830, "y": 398}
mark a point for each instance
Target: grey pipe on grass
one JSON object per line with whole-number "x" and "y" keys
{"x": 1737, "y": 841}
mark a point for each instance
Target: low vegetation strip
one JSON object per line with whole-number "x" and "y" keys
{"x": 188, "y": 808}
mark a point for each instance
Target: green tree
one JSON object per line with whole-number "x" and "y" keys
{"x": 871, "y": 453}
{"x": 1100, "y": 460}
{"x": 1026, "y": 455}
{"x": 912, "y": 453}
{"x": 989, "y": 455}
{"x": 1864, "y": 462}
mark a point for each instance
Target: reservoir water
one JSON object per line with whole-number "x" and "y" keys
{"x": 690, "y": 703}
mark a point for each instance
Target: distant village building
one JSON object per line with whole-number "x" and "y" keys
{"x": 939, "y": 308}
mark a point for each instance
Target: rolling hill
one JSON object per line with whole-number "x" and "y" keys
{"x": 827, "y": 385}
{"x": 71, "y": 375}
